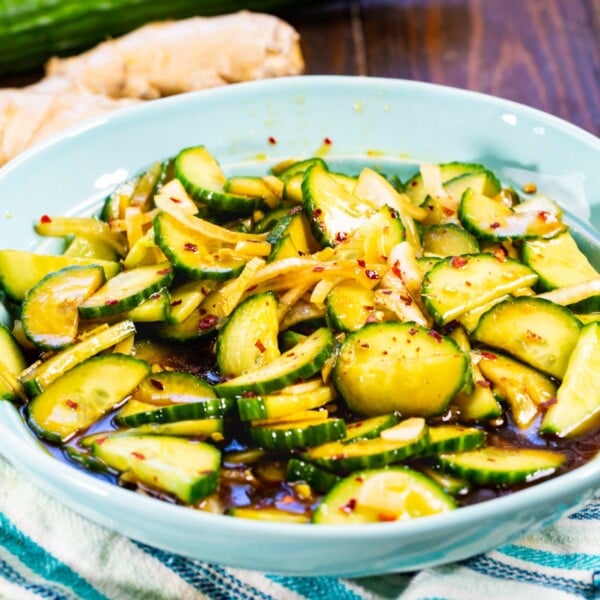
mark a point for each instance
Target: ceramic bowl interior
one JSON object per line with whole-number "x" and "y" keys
{"x": 384, "y": 123}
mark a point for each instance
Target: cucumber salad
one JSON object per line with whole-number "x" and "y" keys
{"x": 309, "y": 345}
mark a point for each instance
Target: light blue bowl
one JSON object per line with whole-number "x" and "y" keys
{"x": 369, "y": 121}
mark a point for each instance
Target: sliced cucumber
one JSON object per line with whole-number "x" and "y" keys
{"x": 253, "y": 187}
{"x": 154, "y": 309}
{"x": 195, "y": 257}
{"x": 205, "y": 181}
{"x": 187, "y": 408}
{"x": 126, "y": 290}
{"x": 39, "y": 376}
{"x": 292, "y": 231}
{"x": 160, "y": 386}
{"x": 367, "y": 429}
{"x": 459, "y": 284}
{"x": 502, "y": 466}
{"x": 371, "y": 453}
{"x": 491, "y": 219}
{"x": 12, "y": 362}
{"x": 392, "y": 494}
{"x": 300, "y": 362}
{"x": 288, "y": 435}
{"x": 448, "y": 240}
{"x": 480, "y": 404}
{"x": 333, "y": 211}
{"x": 481, "y": 182}
{"x": 525, "y": 389}
{"x": 391, "y": 366}
{"x": 453, "y": 438}
{"x": 248, "y": 340}
{"x": 318, "y": 479}
{"x": 83, "y": 246}
{"x": 536, "y": 331}
{"x": 197, "y": 428}
{"x": 81, "y": 396}
{"x": 20, "y": 270}
{"x": 279, "y": 405}
{"x": 188, "y": 470}
{"x": 577, "y": 406}
{"x": 267, "y": 513}
{"x": 49, "y": 314}
{"x": 350, "y": 306}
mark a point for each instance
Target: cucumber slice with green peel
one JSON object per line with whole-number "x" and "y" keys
{"x": 204, "y": 180}
{"x": 12, "y": 362}
{"x": 289, "y": 435}
{"x": 526, "y": 390}
{"x": 49, "y": 313}
{"x": 415, "y": 187}
{"x": 21, "y": 270}
{"x": 448, "y": 240}
{"x": 267, "y": 513}
{"x": 341, "y": 457}
{"x": 350, "y": 306}
{"x": 318, "y": 479}
{"x": 391, "y": 494}
{"x": 536, "y": 331}
{"x": 334, "y": 212}
{"x": 367, "y": 429}
{"x": 480, "y": 404}
{"x": 248, "y": 340}
{"x": 192, "y": 255}
{"x": 196, "y": 428}
{"x": 502, "y": 466}
{"x": 273, "y": 217}
{"x": 295, "y": 225}
{"x": 81, "y": 396}
{"x": 459, "y": 284}
{"x": 253, "y": 187}
{"x": 187, "y": 408}
{"x": 83, "y": 246}
{"x": 86, "y": 460}
{"x": 300, "y": 167}
{"x": 560, "y": 263}
{"x": 300, "y": 362}
{"x": 387, "y": 367}
{"x": 577, "y": 407}
{"x": 453, "y": 438}
{"x": 456, "y": 486}
{"x": 127, "y": 290}
{"x": 279, "y": 405}
{"x": 491, "y": 219}
{"x": 36, "y": 378}
{"x": 481, "y": 182}
{"x": 160, "y": 386}
{"x": 187, "y": 469}
{"x": 186, "y": 298}
{"x": 288, "y": 339}
{"x": 154, "y": 309}
{"x": 118, "y": 200}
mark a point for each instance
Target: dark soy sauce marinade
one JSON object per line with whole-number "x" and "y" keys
{"x": 261, "y": 483}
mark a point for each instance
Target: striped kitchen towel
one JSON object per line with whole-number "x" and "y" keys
{"x": 48, "y": 551}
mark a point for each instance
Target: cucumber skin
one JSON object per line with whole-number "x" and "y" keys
{"x": 30, "y": 36}
{"x": 298, "y": 437}
{"x": 318, "y": 479}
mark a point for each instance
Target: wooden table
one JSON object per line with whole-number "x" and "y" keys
{"x": 545, "y": 53}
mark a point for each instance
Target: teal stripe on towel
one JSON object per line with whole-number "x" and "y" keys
{"x": 552, "y": 560}
{"x": 42, "y": 563}
{"x": 316, "y": 588}
{"x": 48, "y": 592}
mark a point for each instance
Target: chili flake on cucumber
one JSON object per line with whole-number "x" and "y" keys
{"x": 312, "y": 345}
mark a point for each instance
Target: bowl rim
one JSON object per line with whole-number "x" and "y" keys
{"x": 33, "y": 460}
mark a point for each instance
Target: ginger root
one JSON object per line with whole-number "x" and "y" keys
{"x": 156, "y": 60}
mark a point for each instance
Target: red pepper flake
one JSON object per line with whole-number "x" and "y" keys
{"x": 500, "y": 254}
{"x": 414, "y": 183}
{"x": 189, "y": 247}
{"x": 272, "y": 140}
{"x": 412, "y": 331}
{"x": 359, "y": 478}
{"x": 248, "y": 394}
{"x": 543, "y": 215}
{"x": 287, "y": 499}
{"x": 371, "y": 274}
{"x": 176, "y": 302}
{"x": 157, "y": 384}
{"x": 435, "y": 335}
{"x": 495, "y": 225}
{"x": 164, "y": 271}
{"x": 361, "y": 263}
{"x": 72, "y": 404}
{"x": 175, "y": 200}
{"x": 548, "y": 403}
{"x": 532, "y": 336}
{"x": 111, "y": 302}
{"x": 488, "y": 355}
{"x": 138, "y": 455}
{"x": 393, "y": 213}
{"x": 317, "y": 212}
{"x": 327, "y": 141}
{"x": 468, "y": 283}
{"x": 385, "y": 517}
{"x": 396, "y": 270}
{"x": 368, "y": 308}
{"x": 349, "y": 506}
{"x": 484, "y": 383}
{"x": 208, "y": 322}
{"x": 447, "y": 211}
{"x": 458, "y": 261}
{"x": 365, "y": 345}
{"x": 387, "y": 292}
{"x": 100, "y": 440}
{"x": 202, "y": 311}
{"x": 340, "y": 236}
{"x": 261, "y": 347}
{"x": 252, "y": 287}
{"x": 318, "y": 269}
{"x": 45, "y": 219}
{"x": 406, "y": 299}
